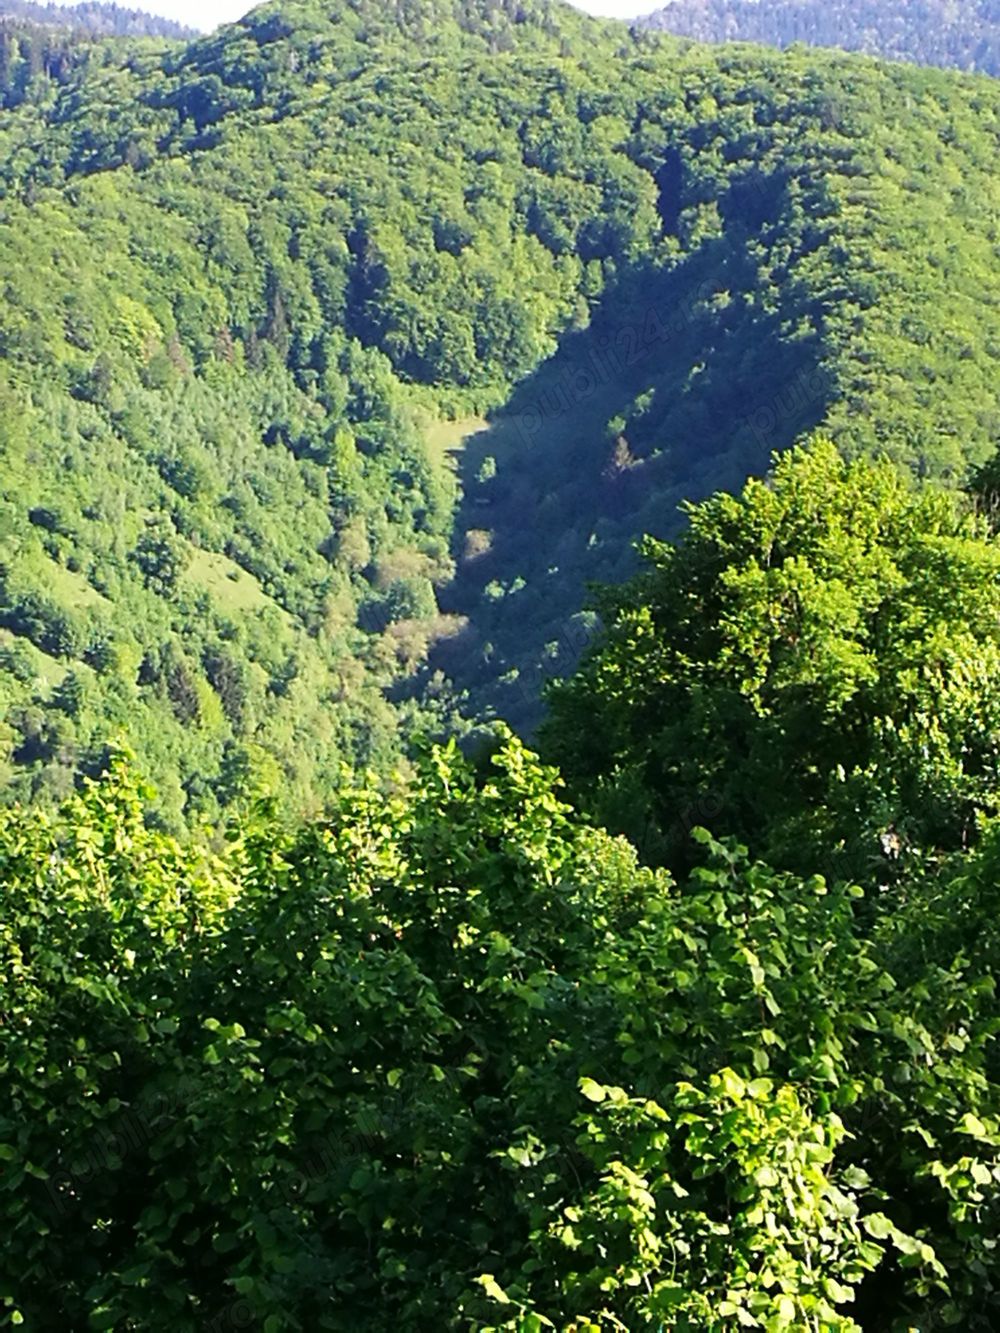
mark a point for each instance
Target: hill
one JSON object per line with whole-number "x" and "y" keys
{"x": 341, "y": 348}
{"x": 94, "y": 19}
{"x": 41, "y": 44}
{"x": 927, "y": 32}
{"x": 338, "y": 352}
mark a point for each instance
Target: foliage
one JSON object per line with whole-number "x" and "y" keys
{"x": 94, "y": 18}
{"x": 813, "y": 666}
{"x": 41, "y": 45}
{"x": 445, "y": 1056}
{"x": 451, "y": 1058}
{"x": 247, "y": 278}
{"x": 933, "y": 32}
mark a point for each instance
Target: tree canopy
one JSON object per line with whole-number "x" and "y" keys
{"x": 931, "y": 32}
{"x": 456, "y": 1060}
{"x": 813, "y": 666}
{"x": 339, "y": 350}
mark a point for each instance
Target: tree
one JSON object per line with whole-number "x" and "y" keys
{"x": 448, "y": 1056}
{"x": 813, "y": 666}
{"x": 70, "y": 695}
{"x": 161, "y": 556}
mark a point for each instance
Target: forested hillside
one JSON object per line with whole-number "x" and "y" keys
{"x": 964, "y": 35}
{"x": 454, "y": 1060}
{"x": 41, "y": 44}
{"x": 93, "y": 18}
{"x": 257, "y": 290}
{"x": 339, "y": 351}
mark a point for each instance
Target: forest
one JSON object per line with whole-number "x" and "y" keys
{"x": 93, "y": 18}
{"x": 45, "y": 41}
{"x": 308, "y": 323}
{"x": 499, "y": 679}
{"x": 926, "y": 32}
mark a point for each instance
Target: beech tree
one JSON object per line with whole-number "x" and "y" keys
{"x": 813, "y": 666}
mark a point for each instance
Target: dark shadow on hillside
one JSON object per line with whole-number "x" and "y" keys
{"x": 682, "y": 384}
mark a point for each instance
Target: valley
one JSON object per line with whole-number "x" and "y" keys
{"x": 647, "y": 292}
{"x": 499, "y": 675}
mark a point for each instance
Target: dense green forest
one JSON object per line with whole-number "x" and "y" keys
{"x": 342, "y": 353}
{"x": 40, "y": 44}
{"x": 93, "y": 18}
{"x": 453, "y": 1059}
{"x": 258, "y": 289}
{"x": 964, "y": 35}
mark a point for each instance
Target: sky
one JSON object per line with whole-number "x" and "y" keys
{"x": 207, "y": 14}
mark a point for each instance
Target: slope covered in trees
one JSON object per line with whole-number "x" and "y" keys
{"x": 964, "y": 35}
{"x": 42, "y": 44}
{"x": 93, "y": 18}
{"x": 337, "y": 352}
{"x": 249, "y": 282}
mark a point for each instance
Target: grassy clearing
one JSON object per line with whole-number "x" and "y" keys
{"x": 69, "y": 589}
{"x": 231, "y": 587}
{"x": 446, "y": 439}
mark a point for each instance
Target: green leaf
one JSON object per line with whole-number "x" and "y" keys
{"x": 493, "y": 1289}
{"x": 878, "y": 1226}
{"x": 592, "y": 1090}
{"x": 971, "y": 1124}
{"x": 732, "y": 1085}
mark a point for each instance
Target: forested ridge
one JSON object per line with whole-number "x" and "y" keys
{"x": 42, "y": 43}
{"x": 965, "y": 35}
{"x": 342, "y": 353}
{"x": 93, "y": 18}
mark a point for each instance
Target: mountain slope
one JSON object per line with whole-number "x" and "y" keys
{"x": 42, "y": 44}
{"x": 93, "y": 18}
{"x": 249, "y": 281}
{"x": 962, "y": 36}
